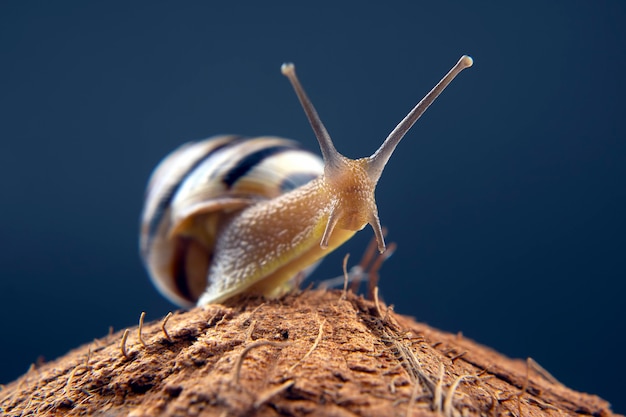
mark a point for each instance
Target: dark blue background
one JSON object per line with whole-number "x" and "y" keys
{"x": 507, "y": 199}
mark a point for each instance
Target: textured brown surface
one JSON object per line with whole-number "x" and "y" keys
{"x": 307, "y": 354}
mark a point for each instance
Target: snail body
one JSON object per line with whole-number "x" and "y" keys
{"x": 229, "y": 215}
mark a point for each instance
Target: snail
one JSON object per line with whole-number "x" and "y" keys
{"x": 231, "y": 215}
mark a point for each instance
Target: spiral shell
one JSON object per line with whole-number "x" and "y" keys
{"x": 197, "y": 188}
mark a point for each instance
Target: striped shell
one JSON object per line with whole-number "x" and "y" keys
{"x": 206, "y": 183}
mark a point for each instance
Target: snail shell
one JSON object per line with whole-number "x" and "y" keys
{"x": 206, "y": 182}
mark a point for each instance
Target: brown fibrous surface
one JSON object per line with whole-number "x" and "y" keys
{"x": 321, "y": 353}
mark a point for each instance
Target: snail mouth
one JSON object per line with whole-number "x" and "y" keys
{"x": 353, "y": 221}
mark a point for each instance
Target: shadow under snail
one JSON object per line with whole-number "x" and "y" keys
{"x": 231, "y": 215}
